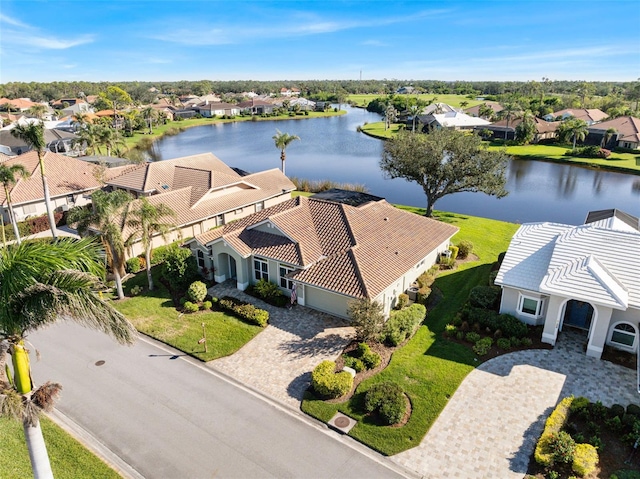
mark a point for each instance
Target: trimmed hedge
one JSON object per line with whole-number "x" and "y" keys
{"x": 133, "y": 265}
{"x": 326, "y": 382}
{"x": 553, "y": 425}
{"x": 190, "y": 307}
{"x": 485, "y": 297}
{"x": 585, "y": 459}
{"x": 402, "y": 324}
{"x": 388, "y": 400}
{"x": 510, "y": 326}
{"x": 245, "y": 311}
{"x": 197, "y": 291}
{"x": 362, "y": 358}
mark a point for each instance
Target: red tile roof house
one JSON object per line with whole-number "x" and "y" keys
{"x": 589, "y": 115}
{"x": 627, "y": 136}
{"x": 563, "y": 276}
{"x": 544, "y": 129}
{"x": 333, "y": 252}
{"x": 70, "y": 183}
{"x": 203, "y": 191}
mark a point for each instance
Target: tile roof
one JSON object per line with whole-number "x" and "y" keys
{"x": 65, "y": 176}
{"x": 583, "y": 262}
{"x": 586, "y": 114}
{"x": 542, "y": 126}
{"x": 356, "y": 251}
{"x": 628, "y": 128}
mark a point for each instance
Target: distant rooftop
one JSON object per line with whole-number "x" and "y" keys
{"x": 347, "y": 197}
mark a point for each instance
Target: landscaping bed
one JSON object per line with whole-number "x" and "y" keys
{"x": 613, "y": 431}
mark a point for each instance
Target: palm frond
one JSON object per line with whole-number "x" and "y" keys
{"x": 46, "y": 395}
{"x": 70, "y": 294}
{"x": 31, "y": 413}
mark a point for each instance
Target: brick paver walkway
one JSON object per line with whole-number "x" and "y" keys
{"x": 491, "y": 424}
{"x": 278, "y": 361}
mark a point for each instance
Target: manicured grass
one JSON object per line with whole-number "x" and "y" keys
{"x": 428, "y": 367}
{"x": 453, "y": 100}
{"x": 69, "y": 459}
{"x": 154, "y": 314}
{"x": 160, "y": 130}
{"x": 377, "y": 130}
{"x": 617, "y": 161}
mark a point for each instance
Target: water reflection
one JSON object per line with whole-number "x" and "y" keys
{"x": 332, "y": 148}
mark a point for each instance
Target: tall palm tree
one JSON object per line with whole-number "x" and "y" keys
{"x": 33, "y": 135}
{"x": 282, "y": 140}
{"x": 146, "y": 220}
{"x": 510, "y": 110}
{"x": 610, "y": 133}
{"x": 415, "y": 110}
{"x": 106, "y": 219}
{"x": 40, "y": 283}
{"x": 80, "y": 118}
{"x": 8, "y": 179}
{"x": 149, "y": 114}
{"x": 88, "y": 138}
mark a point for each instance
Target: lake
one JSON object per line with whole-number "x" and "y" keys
{"x": 332, "y": 148}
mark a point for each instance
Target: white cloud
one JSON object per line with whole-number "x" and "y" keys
{"x": 12, "y": 21}
{"x": 21, "y": 34}
{"x": 374, "y": 43}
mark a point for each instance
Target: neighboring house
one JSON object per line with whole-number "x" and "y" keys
{"x": 627, "y": 136}
{"x": 584, "y": 277}
{"x": 19, "y": 104}
{"x": 79, "y": 107}
{"x": 453, "y": 120}
{"x": 405, "y": 90}
{"x": 302, "y": 104}
{"x": 209, "y": 110}
{"x": 202, "y": 190}
{"x": 70, "y": 182}
{"x": 589, "y": 115}
{"x": 334, "y": 247}
{"x": 289, "y": 92}
{"x": 58, "y": 141}
{"x": 545, "y": 130}
{"x": 256, "y": 106}
{"x": 475, "y": 110}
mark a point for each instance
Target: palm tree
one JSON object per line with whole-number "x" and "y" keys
{"x": 510, "y": 111}
{"x": 88, "y": 138}
{"x": 574, "y": 129}
{"x": 610, "y": 133}
{"x": 40, "y": 283}
{"x": 110, "y": 139}
{"x": 106, "y": 220}
{"x": 130, "y": 118}
{"x": 146, "y": 219}
{"x": 37, "y": 111}
{"x": 390, "y": 115}
{"x": 415, "y": 110}
{"x": 282, "y": 140}
{"x": 80, "y": 118}
{"x": 8, "y": 179}
{"x": 149, "y": 114}
{"x": 33, "y": 135}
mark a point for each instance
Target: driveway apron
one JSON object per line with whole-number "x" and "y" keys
{"x": 278, "y": 361}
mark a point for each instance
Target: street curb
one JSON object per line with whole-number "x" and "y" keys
{"x": 94, "y": 445}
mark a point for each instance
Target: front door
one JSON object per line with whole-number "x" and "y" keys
{"x": 578, "y": 314}
{"x": 232, "y": 268}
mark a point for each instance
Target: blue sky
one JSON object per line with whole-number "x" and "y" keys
{"x": 169, "y": 40}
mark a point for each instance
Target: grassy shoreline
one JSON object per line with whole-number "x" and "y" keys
{"x": 618, "y": 162}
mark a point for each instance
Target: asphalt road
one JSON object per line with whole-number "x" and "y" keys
{"x": 169, "y": 417}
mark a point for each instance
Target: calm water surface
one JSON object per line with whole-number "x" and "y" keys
{"x": 332, "y": 148}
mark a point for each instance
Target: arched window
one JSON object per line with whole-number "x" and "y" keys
{"x": 623, "y": 334}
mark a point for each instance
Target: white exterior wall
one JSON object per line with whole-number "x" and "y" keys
{"x": 510, "y": 301}
{"x": 630, "y": 316}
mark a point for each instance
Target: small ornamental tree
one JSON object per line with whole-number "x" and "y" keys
{"x": 197, "y": 291}
{"x": 367, "y": 319}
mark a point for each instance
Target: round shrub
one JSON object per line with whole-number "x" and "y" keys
{"x": 190, "y": 307}
{"x": 485, "y": 297}
{"x": 371, "y": 359}
{"x": 388, "y": 400}
{"x": 355, "y": 363}
{"x": 585, "y": 459}
{"x": 562, "y": 447}
{"x": 617, "y": 410}
{"x": 579, "y": 404}
{"x": 472, "y": 337}
{"x": 482, "y": 346}
{"x": 328, "y": 383}
{"x": 197, "y": 291}
{"x": 465, "y": 248}
{"x": 133, "y": 265}
{"x": 504, "y": 344}
{"x": 206, "y": 305}
{"x": 512, "y": 326}
{"x": 633, "y": 409}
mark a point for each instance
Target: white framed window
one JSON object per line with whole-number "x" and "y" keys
{"x": 259, "y": 206}
{"x": 200, "y": 256}
{"x": 530, "y": 305}
{"x": 219, "y": 220}
{"x": 285, "y": 282}
{"x": 260, "y": 269}
{"x": 29, "y": 209}
{"x": 623, "y": 334}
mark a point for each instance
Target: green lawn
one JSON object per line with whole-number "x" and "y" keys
{"x": 428, "y": 368}
{"x": 69, "y": 458}
{"x": 618, "y": 161}
{"x": 154, "y": 314}
{"x": 140, "y": 138}
{"x": 453, "y": 100}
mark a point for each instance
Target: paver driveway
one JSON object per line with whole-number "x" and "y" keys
{"x": 492, "y": 422}
{"x": 278, "y": 361}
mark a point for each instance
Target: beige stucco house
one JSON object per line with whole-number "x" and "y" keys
{"x": 202, "y": 190}
{"x": 581, "y": 277}
{"x": 334, "y": 247}
{"x": 70, "y": 182}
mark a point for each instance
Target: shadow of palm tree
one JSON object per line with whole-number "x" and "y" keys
{"x": 331, "y": 344}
